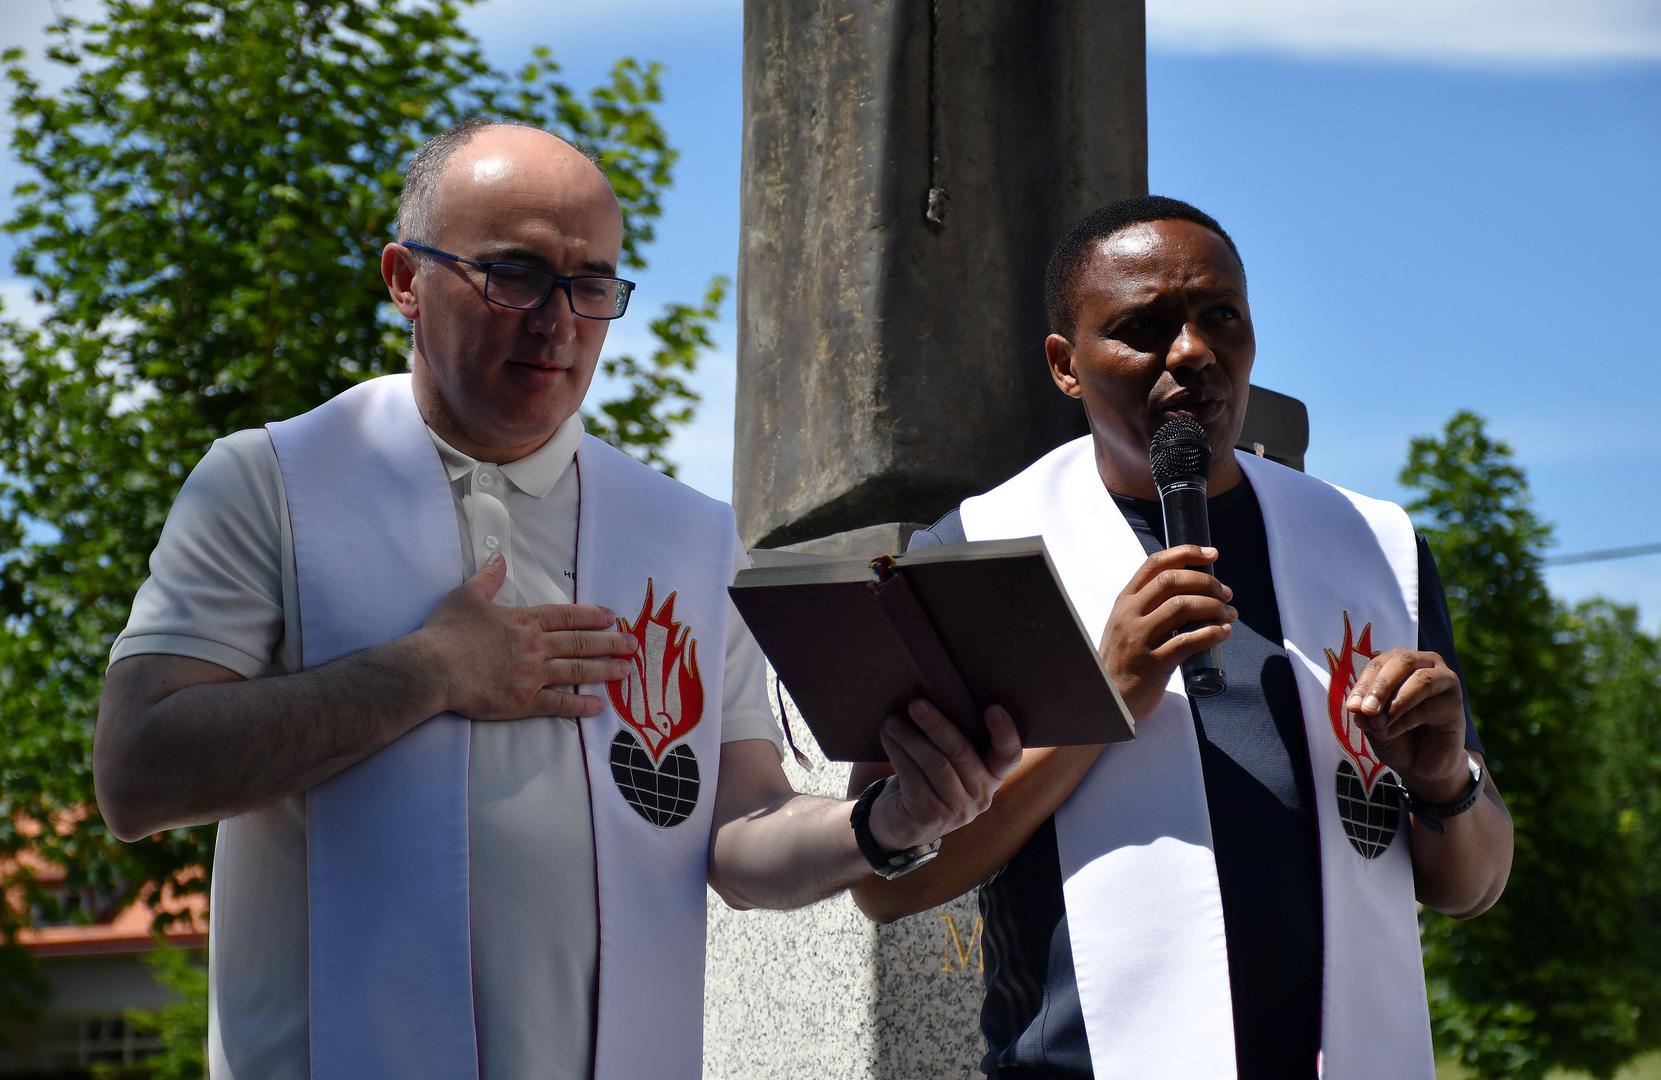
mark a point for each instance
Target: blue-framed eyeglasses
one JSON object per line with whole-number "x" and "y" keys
{"x": 525, "y": 288}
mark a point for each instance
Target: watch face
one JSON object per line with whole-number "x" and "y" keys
{"x": 907, "y": 861}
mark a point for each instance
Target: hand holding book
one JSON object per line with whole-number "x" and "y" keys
{"x": 941, "y": 782}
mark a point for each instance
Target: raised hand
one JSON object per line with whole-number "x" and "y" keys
{"x": 1412, "y": 708}
{"x": 941, "y": 782}
{"x": 504, "y": 663}
{"x": 1141, "y": 646}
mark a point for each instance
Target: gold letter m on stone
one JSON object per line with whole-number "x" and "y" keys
{"x": 956, "y": 949}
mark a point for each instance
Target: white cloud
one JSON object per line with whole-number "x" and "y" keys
{"x": 1505, "y": 33}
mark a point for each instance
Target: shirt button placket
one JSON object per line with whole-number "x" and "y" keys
{"x": 490, "y": 525}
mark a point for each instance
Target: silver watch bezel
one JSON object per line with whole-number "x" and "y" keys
{"x": 904, "y": 862}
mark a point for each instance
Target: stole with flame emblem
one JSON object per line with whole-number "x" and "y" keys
{"x": 1369, "y": 793}
{"x": 660, "y": 701}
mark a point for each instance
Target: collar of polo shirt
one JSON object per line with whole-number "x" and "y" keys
{"x": 536, "y": 473}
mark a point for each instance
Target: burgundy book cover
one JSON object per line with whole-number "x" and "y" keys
{"x": 965, "y": 625}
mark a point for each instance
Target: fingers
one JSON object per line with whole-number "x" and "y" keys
{"x": 1419, "y": 687}
{"x": 1179, "y": 647}
{"x": 942, "y": 756}
{"x": 1005, "y": 752}
{"x": 556, "y": 702}
{"x": 910, "y": 776}
{"x": 1179, "y": 611}
{"x": 487, "y": 581}
{"x": 940, "y": 782}
{"x": 1179, "y": 582}
{"x": 562, "y": 671}
{"x": 1401, "y": 690}
{"x": 1383, "y": 676}
{"x": 979, "y": 775}
{"x": 1167, "y": 613}
{"x": 961, "y": 778}
{"x": 1176, "y": 558}
{"x": 556, "y": 617}
{"x": 585, "y": 643}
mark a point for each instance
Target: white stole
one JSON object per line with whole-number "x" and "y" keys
{"x": 653, "y": 550}
{"x": 1134, "y": 839}
{"x": 376, "y": 546}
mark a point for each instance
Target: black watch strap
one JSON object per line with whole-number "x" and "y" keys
{"x": 887, "y": 864}
{"x": 1431, "y": 815}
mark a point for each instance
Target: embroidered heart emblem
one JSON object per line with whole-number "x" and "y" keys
{"x": 665, "y": 794}
{"x": 660, "y": 701}
{"x": 1371, "y": 818}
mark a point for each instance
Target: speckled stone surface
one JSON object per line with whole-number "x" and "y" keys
{"x": 825, "y": 993}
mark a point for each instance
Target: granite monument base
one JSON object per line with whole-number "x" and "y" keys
{"x": 823, "y": 992}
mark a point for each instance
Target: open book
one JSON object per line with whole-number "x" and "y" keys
{"x": 963, "y": 625}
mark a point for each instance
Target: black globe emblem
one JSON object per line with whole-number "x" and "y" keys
{"x": 664, "y": 796}
{"x": 1370, "y": 822}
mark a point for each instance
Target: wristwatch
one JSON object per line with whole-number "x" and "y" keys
{"x": 887, "y": 864}
{"x": 1431, "y": 815}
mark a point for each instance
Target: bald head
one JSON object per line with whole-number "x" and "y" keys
{"x": 489, "y": 204}
{"x": 486, "y": 152}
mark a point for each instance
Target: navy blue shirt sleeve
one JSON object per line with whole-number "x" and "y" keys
{"x": 1436, "y": 632}
{"x": 948, "y": 530}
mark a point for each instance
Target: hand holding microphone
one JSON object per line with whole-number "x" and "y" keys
{"x": 1174, "y": 610}
{"x": 1180, "y": 459}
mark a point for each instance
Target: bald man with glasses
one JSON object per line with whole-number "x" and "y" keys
{"x": 463, "y": 688}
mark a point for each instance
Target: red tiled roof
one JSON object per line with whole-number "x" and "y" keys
{"x": 129, "y": 931}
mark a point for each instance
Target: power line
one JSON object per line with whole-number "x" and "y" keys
{"x": 1600, "y": 556}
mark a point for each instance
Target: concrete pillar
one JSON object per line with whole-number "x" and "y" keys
{"x": 908, "y": 166}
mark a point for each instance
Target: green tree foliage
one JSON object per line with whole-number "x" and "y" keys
{"x": 643, "y": 420}
{"x": 182, "y": 1025}
{"x": 208, "y": 198}
{"x": 1566, "y": 970}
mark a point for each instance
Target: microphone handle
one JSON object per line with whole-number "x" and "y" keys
{"x": 1187, "y": 522}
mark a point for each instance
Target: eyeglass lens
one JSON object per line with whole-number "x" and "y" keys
{"x": 523, "y": 287}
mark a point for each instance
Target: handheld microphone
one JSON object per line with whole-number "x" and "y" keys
{"x": 1180, "y": 458}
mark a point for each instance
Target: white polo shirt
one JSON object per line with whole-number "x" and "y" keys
{"x": 222, "y": 588}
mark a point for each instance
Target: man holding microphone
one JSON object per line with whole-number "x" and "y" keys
{"x": 1232, "y": 892}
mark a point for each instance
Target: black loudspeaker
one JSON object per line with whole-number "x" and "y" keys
{"x": 1276, "y": 427}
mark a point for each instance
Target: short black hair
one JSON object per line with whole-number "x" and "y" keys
{"x": 1069, "y": 256}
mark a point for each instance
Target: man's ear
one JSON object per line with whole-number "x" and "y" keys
{"x": 398, "y": 271}
{"x": 1059, "y": 352}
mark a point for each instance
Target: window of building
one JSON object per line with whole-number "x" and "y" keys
{"x": 91, "y": 1040}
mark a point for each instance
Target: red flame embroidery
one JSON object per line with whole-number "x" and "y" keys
{"x": 663, "y": 696}
{"x": 1343, "y": 669}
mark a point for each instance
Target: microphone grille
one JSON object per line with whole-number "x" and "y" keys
{"x": 1179, "y": 451}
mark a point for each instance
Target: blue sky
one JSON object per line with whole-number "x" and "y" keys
{"x": 1441, "y": 207}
